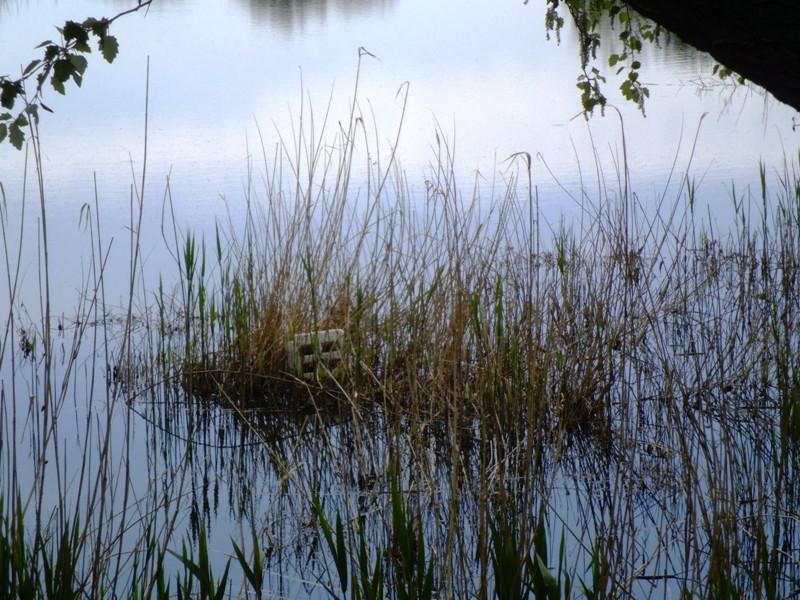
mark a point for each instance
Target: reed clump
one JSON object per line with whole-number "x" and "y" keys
{"x": 455, "y": 305}
{"x": 448, "y": 305}
{"x": 605, "y": 407}
{"x": 636, "y": 335}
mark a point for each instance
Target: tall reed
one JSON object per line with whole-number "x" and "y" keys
{"x": 604, "y": 408}
{"x": 636, "y": 357}
{"x": 75, "y": 519}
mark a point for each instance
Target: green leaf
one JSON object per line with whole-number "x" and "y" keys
{"x": 550, "y": 583}
{"x": 221, "y": 589}
{"x": 57, "y": 84}
{"x": 51, "y": 51}
{"x": 63, "y": 70}
{"x": 79, "y": 62}
{"x": 341, "y": 553}
{"x": 109, "y": 47}
{"x": 9, "y": 90}
{"x": 3, "y": 132}
{"x": 98, "y": 27}
{"x": 74, "y": 31}
{"x": 31, "y": 66}
{"x": 33, "y": 111}
{"x": 243, "y": 562}
{"x": 16, "y": 136}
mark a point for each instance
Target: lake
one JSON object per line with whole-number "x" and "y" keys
{"x": 220, "y": 96}
{"x": 216, "y": 91}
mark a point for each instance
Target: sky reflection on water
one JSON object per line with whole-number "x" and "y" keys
{"x": 226, "y": 75}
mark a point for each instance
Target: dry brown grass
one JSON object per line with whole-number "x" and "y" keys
{"x": 651, "y": 359}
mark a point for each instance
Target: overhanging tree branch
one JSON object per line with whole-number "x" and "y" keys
{"x": 61, "y": 61}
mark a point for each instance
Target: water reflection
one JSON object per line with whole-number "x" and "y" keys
{"x": 247, "y": 464}
{"x": 291, "y": 15}
{"x": 636, "y": 499}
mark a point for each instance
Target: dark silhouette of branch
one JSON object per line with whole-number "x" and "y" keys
{"x": 61, "y": 62}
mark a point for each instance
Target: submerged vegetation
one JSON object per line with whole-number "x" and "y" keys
{"x": 606, "y": 408}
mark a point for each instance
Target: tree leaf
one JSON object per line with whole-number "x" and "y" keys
{"x": 79, "y": 62}
{"x": 57, "y": 84}
{"x": 51, "y": 52}
{"x": 62, "y": 70}
{"x": 74, "y": 31}
{"x": 99, "y": 27}
{"x": 33, "y": 111}
{"x": 31, "y": 66}
{"x": 3, "y": 132}
{"x": 109, "y": 47}
{"x": 9, "y": 90}
{"x": 16, "y": 136}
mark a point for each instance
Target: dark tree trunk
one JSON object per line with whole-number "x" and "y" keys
{"x": 758, "y": 39}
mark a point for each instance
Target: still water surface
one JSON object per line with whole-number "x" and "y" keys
{"x": 225, "y": 75}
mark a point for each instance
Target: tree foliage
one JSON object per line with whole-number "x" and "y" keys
{"x": 65, "y": 59}
{"x": 62, "y": 60}
{"x": 632, "y": 32}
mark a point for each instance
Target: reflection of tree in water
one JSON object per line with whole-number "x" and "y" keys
{"x": 670, "y": 49}
{"x": 289, "y": 14}
{"x": 253, "y": 463}
{"x": 759, "y": 45}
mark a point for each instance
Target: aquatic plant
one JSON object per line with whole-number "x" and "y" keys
{"x": 627, "y": 381}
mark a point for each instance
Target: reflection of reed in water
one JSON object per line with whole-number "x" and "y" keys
{"x": 621, "y": 385}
